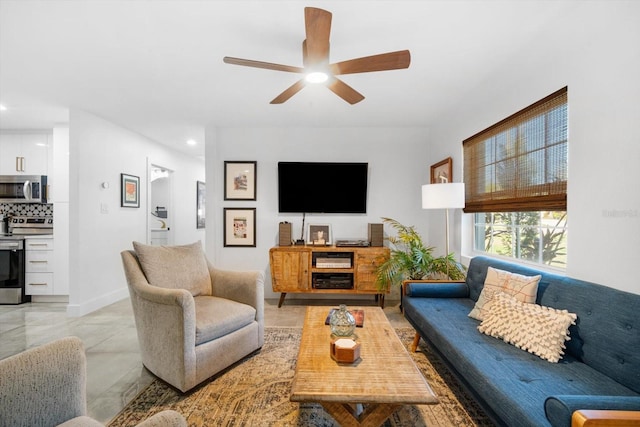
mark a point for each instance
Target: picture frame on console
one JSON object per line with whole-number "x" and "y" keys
{"x": 442, "y": 172}
{"x": 239, "y": 227}
{"x": 240, "y": 180}
{"x": 319, "y": 235}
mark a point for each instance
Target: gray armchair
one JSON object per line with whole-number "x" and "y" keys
{"x": 46, "y": 386}
{"x": 192, "y": 319}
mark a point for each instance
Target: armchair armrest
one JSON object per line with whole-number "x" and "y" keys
{"x": 593, "y": 418}
{"x": 166, "y": 418}
{"x": 560, "y": 409}
{"x": 436, "y": 289}
{"x": 45, "y": 385}
{"x": 246, "y": 287}
{"x": 165, "y": 322}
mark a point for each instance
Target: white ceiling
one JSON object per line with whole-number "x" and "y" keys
{"x": 155, "y": 66}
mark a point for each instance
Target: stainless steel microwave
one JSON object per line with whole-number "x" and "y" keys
{"x": 23, "y": 189}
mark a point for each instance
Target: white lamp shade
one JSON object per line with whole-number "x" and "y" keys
{"x": 443, "y": 196}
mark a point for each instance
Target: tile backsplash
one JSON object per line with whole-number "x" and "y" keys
{"x": 26, "y": 209}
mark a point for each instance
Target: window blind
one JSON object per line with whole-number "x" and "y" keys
{"x": 520, "y": 163}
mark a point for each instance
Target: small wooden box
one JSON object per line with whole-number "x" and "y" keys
{"x": 345, "y": 350}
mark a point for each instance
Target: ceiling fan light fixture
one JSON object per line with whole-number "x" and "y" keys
{"x": 317, "y": 77}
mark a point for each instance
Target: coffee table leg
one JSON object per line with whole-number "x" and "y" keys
{"x": 348, "y": 415}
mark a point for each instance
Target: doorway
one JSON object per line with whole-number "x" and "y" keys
{"x": 160, "y": 216}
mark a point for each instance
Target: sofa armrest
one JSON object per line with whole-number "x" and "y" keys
{"x": 560, "y": 409}
{"x": 436, "y": 289}
{"x": 594, "y": 418}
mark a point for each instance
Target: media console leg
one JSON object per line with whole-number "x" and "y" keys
{"x": 282, "y": 295}
{"x": 380, "y": 297}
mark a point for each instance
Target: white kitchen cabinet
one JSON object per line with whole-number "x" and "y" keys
{"x": 24, "y": 153}
{"x": 39, "y": 266}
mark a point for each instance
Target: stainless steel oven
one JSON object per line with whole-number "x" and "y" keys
{"x": 12, "y": 268}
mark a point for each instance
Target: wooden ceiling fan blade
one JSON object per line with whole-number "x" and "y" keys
{"x": 317, "y": 28}
{"x": 345, "y": 91}
{"x": 289, "y": 92}
{"x": 261, "y": 64}
{"x": 382, "y": 62}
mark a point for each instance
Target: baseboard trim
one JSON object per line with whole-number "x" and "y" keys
{"x": 86, "y": 307}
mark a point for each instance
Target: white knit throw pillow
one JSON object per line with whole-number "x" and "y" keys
{"x": 537, "y": 329}
{"x": 523, "y": 288}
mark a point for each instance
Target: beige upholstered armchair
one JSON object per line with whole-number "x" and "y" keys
{"x": 46, "y": 386}
{"x": 192, "y": 319}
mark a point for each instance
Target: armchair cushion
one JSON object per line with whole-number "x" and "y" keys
{"x": 217, "y": 317}
{"x": 175, "y": 267}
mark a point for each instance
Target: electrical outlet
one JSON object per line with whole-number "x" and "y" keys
{"x": 104, "y": 208}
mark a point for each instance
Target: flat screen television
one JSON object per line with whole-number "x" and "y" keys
{"x": 321, "y": 187}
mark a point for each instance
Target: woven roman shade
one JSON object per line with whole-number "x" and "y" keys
{"x": 520, "y": 163}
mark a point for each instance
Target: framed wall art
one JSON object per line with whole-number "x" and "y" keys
{"x": 129, "y": 191}
{"x": 319, "y": 234}
{"x": 240, "y": 180}
{"x": 442, "y": 172}
{"x": 200, "y": 198}
{"x": 239, "y": 227}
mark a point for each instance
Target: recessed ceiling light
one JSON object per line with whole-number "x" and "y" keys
{"x": 317, "y": 77}
{"x": 191, "y": 142}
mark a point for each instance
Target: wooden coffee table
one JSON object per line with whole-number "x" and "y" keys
{"x": 368, "y": 391}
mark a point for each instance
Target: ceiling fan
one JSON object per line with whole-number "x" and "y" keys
{"x": 315, "y": 58}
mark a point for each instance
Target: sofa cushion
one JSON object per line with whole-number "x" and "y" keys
{"x": 523, "y": 288}
{"x": 537, "y": 329}
{"x": 216, "y": 317}
{"x": 175, "y": 267}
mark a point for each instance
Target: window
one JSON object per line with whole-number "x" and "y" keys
{"x": 538, "y": 237}
{"x": 515, "y": 176}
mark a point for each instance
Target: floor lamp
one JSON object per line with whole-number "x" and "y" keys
{"x": 443, "y": 196}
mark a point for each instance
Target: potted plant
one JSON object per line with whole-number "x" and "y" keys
{"x": 411, "y": 259}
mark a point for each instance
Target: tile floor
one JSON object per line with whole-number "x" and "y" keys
{"x": 114, "y": 371}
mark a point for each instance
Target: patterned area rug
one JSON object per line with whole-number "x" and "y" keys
{"x": 255, "y": 392}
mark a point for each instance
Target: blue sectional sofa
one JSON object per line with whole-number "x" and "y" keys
{"x": 600, "y": 368}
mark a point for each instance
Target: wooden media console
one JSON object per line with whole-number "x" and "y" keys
{"x": 326, "y": 269}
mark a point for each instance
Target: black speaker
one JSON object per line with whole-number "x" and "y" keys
{"x": 284, "y": 234}
{"x": 376, "y": 234}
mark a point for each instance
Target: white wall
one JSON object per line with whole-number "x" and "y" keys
{"x": 99, "y": 152}
{"x": 397, "y": 167}
{"x": 597, "y": 57}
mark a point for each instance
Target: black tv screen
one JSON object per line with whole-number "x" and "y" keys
{"x": 313, "y": 187}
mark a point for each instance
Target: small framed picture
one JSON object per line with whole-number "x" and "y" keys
{"x": 240, "y": 180}
{"x": 129, "y": 191}
{"x": 200, "y": 198}
{"x": 239, "y": 227}
{"x": 319, "y": 235}
{"x": 442, "y": 172}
